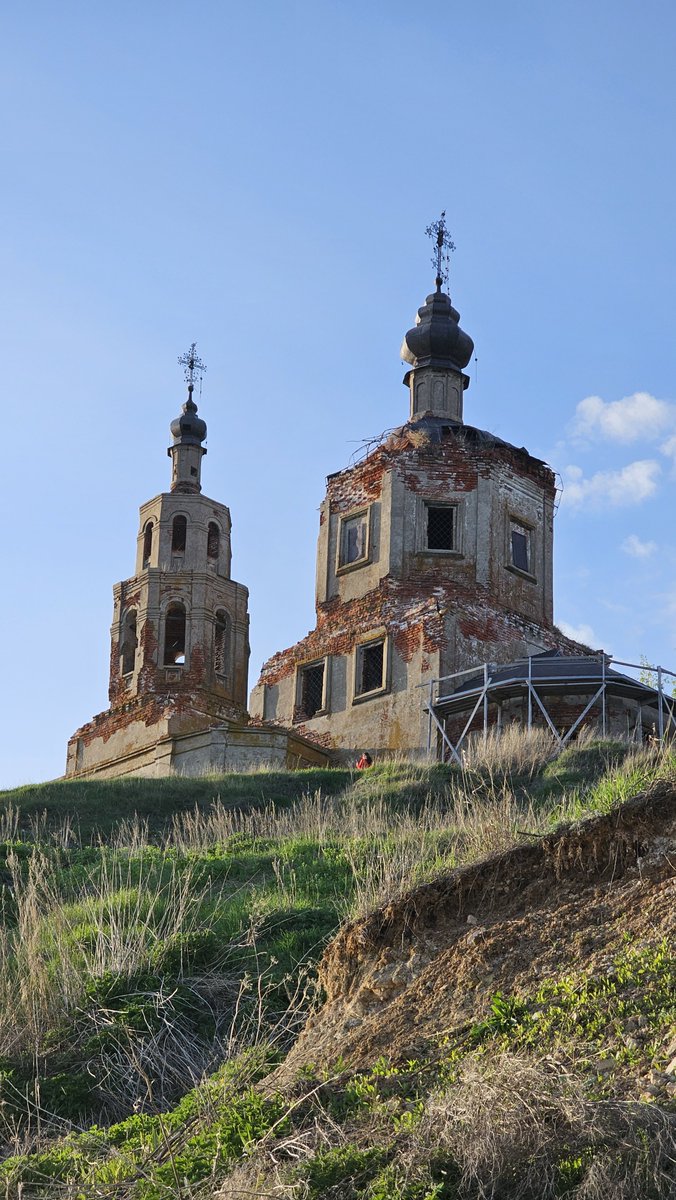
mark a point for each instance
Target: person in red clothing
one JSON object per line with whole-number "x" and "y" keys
{"x": 364, "y": 762}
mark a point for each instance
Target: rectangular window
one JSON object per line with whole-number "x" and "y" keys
{"x": 441, "y": 532}
{"x": 353, "y": 540}
{"x": 311, "y": 690}
{"x": 520, "y": 546}
{"x": 370, "y": 668}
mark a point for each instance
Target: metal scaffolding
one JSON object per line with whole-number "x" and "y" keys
{"x": 539, "y": 678}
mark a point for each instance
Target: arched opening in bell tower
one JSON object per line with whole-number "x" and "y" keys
{"x": 178, "y": 534}
{"x": 174, "y": 636}
{"x": 147, "y": 543}
{"x": 213, "y": 540}
{"x": 222, "y": 643}
{"x": 128, "y": 642}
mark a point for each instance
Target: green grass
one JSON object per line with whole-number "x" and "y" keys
{"x": 159, "y": 932}
{"x": 96, "y": 807}
{"x": 587, "y": 1017}
{"x": 402, "y": 1136}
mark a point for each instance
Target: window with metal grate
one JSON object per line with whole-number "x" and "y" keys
{"x": 312, "y": 689}
{"x": 440, "y": 527}
{"x": 370, "y": 664}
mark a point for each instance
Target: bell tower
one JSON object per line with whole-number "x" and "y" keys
{"x": 179, "y": 641}
{"x": 180, "y": 624}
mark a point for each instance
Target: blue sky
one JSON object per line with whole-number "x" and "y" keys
{"x": 257, "y": 178}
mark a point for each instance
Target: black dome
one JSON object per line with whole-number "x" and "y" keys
{"x": 189, "y": 428}
{"x": 436, "y": 338}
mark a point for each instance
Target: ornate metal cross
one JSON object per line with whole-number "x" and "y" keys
{"x": 193, "y": 366}
{"x": 441, "y": 258}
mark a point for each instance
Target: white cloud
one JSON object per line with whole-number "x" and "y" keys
{"x": 639, "y": 416}
{"x": 629, "y": 485}
{"x": 669, "y": 449}
{"x": 580, "y": 633}
{"x": 633, "y": 546}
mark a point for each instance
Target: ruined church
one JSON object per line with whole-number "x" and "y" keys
{"x": 435, "y": 556}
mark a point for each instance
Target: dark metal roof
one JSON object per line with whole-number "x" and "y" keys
{"x": 189, "y": 429}
{"x": 436, "y": 338}
{"x": 552, "y": 673}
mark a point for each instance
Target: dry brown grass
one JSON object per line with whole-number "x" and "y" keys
{"x": 511, "y": 1129}
{"x": 513, "y": 1123}
{"x": 393, "y": 845}
{"x": 389, "y": 846}
{"x": 512, "y": 751}
{"x": 52, "y": 947}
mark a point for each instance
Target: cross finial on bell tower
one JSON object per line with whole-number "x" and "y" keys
{"x": 193, "y": 367}
{"x": 441, "y": 258}
{"x": 189, "y": 431}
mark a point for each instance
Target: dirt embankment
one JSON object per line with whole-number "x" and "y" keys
{"x": 431, "y": 960}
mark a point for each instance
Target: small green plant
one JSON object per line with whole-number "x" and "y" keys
{"x": 350, "y": 1167}
{"x": 506, "y": 1015}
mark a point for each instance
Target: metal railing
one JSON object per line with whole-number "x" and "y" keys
{"x": 527, "y": 674}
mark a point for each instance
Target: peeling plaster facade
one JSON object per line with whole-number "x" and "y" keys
{"x": 435, "y": 553}
{"x": 179, "y": 645}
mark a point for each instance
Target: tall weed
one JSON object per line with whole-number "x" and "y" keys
{"x": 51, "y": 946}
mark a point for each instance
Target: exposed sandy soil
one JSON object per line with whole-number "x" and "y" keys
{"x": 430, "y": 961}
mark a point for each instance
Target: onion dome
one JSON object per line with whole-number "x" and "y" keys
{"x": 189, "y": 429}
{"x": 436, "y": 339}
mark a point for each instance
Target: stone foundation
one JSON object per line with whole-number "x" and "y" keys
{"x": 180, "y": 745}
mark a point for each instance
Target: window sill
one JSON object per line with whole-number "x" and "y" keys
{"x": 370, "y": 695}
{"x": 445, "y": 553}
{"x": 520, "y": 573}
{"x": 353, "y": 566}
{"x": 300, "y": 718}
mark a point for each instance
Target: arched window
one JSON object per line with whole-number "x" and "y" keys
{"x": 222, "y": 643}
{"x": 147, "y": 543}
{"x": 174, "y": 636}
{"x": 128, "y": 642}
{"x": 178, "y": 535}
{"x": 213, "y": 540}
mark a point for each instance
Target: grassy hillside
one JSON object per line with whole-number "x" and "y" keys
{"x": 97, "y": 808}
{"x": 159, "y": 950}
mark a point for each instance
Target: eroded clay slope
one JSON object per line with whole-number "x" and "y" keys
{"x": 432, "y": 959}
